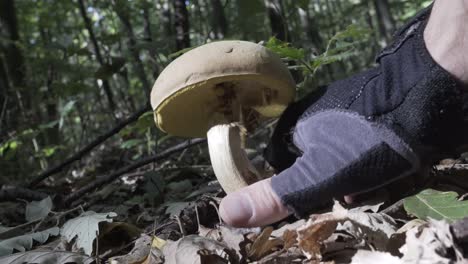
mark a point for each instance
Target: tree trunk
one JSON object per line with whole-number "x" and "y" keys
{"x": 166, "y": 19}
{"x": 139, "y": 67}
{"x": 219, "y": 22}
{"x": 384, "y": 18}
{"x": 52, "y": 135}
{"x": 97, "y": 52}
{"x": 309, "y": 25}
{"x": 149, "y": 38}
{"x": 13, "y": 66}
{"x": 279, "y": 28}
{"x": 181, "y": 24}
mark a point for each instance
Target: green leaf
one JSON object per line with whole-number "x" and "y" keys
{"x": 145, "y": 121}
{"x": 48, "y": 125}
{"x": 50, "y": 151}
{"x": 180, "y": 52}
{"x": 284, "y": 49}
{"x": 85, "y": 228}
{"x": 437, "y": 205}
{"x": 10, "y": 145}
{"x": 324, "y": 60}
{"x": 66, "y": 109}
{"x": 25, "y": 242}
{"x": 36, "y": 210}
{"x": 351, "y": 31}
{"x": 131, "y": 143}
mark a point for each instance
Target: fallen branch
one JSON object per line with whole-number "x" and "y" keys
{"x": 452, "y": 167}
{"x": 15, "y": 193}
{"x": 113, "y": 176}
{"x": 39, "y": 178}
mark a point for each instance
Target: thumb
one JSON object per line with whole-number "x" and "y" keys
{"x": 254, "y": 205}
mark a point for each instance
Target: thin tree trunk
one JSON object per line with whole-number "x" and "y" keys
{"x": 97, "y": 52}
{"x": 181, "y": 24}
{"x": 166, "y": 20}
{"x": 375, "y": 41}
{"x": 13, "y": 66}
{"x": 139, "y": 67}
{"x": 219, "y": 22}
{"x": 52, "y": 135}
{"x": 4, "y": 95}
{"x": 384, "y": 18}
{"x": 279, "y": 28}
{"x": 309, "y": 25}
{"x": 149, "y": 38}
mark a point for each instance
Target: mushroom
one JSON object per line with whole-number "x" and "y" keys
{"x": 222, "y": 90}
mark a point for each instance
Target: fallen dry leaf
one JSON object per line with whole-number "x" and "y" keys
{"x": 187, "y": 250}
{"x": 263, "y": 244}
{"x": 372, "y": 229}
{"x": 311, "y": 236}
{"x": 137, "y": 255}
{"x": 430, "y": 244}
{"x": 372, "y": 257}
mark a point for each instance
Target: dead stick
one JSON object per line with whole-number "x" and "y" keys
{"x": 111, "y": 177}
{"x": 88, "y": 147}
{"x": 14, "y": 193}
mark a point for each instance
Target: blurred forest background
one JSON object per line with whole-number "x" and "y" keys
{"x": 75, "y": 76}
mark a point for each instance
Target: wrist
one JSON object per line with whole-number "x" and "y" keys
{"x": 446, "y": 38}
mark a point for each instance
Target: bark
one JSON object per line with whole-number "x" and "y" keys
{"x": 181, "y": 24}
{"x": 14, "y": 57}
{"x": 13, "y": 66}
{"x": 384, "y": 18}
{"x": 219, "y": 22}
{"x": 279, "y": 28}
{"x": 97, "y": 52}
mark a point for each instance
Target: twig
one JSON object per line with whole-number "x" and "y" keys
{"x": 39, "y": 178}
{"x": 394, "y": 207}
{"x": 13, "y": 230}
{"x": 2, "y": 114}
{"x": 111, "y": 177}
{"x": 181, "y": 227}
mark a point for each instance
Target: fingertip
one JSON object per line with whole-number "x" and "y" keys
{"x": 235, "y": 210}
{"x": 254, "y": 205}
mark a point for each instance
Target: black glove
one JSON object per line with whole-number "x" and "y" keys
{"x": 368, "y": 130}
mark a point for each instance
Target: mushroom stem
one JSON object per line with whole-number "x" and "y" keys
{"x": 229, "y": 160}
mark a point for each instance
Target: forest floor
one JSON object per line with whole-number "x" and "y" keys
{"x": 147, "y": 218}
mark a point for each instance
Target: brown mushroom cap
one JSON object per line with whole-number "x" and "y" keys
{"x": 186, "y": 97}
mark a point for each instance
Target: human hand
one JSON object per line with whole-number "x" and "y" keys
{"x": 362, "y": 133}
